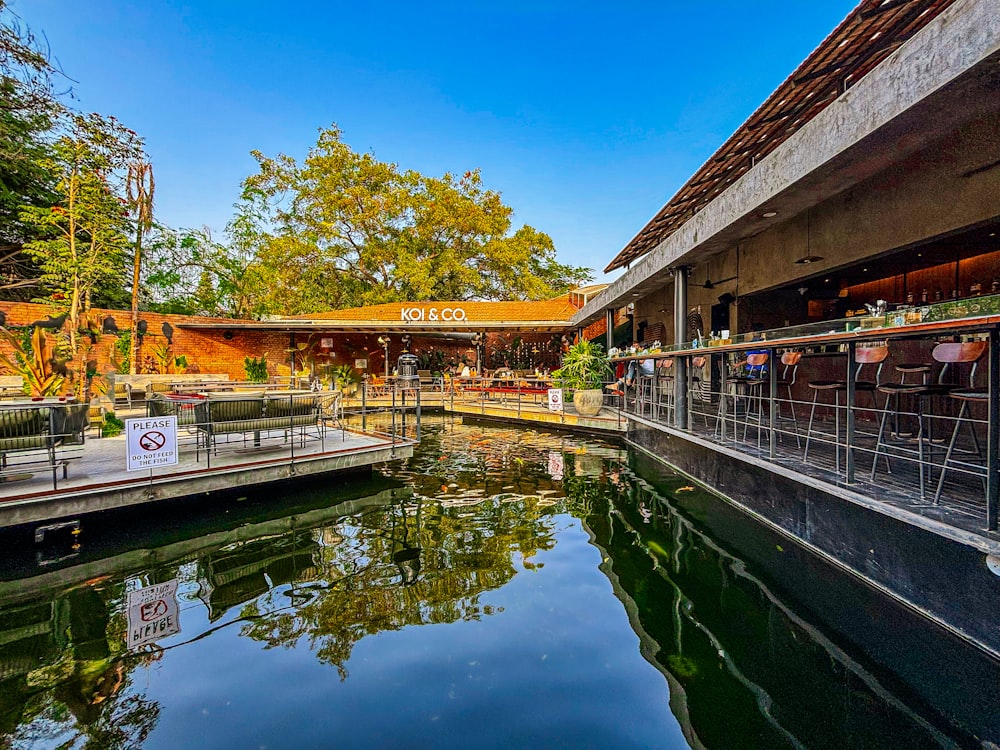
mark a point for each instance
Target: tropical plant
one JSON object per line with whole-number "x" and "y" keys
{"x": 163, "y": 357}
{"x": 43, "y": 372}
{"x": 121, "y": 356}
{"x": 343, "y": 377}
{"x": 180, "y": 363}
{"x": 112, "y": 426}
{"x": 256, "y": 368}
{"x": 585, "y": 366}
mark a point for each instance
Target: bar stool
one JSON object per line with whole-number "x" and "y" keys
{"x": 948, "y": 354}
{"x": 665, "y": 387}
{"x": 864, "y": 356}
{"x": 697, "y": 387}
{"x": 790, "y": 362}
{"x": 969, "y": 352}
{"x": 753, "y": 384}
{"x": 645, "y": 398}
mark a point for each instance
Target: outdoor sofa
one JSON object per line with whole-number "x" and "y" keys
{"x": 41, "y": 436}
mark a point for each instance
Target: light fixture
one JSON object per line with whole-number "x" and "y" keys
{"x": 709, "y": 284}
{"x": 635, "y": 294}
{"x": 805, "y": 260}
{"x": 769, "y": 214}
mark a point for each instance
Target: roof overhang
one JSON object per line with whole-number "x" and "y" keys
{"x": 899, "y": 108}
{"x": 384, "y": 326}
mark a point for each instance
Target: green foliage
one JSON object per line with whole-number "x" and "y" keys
{"x": 256, "y": 368}
{"x": 112, "y": 426}
{"x": 164, "y": 358}
{"x": 28, "y": 112}
{"x": 122, "y": 357}
{"x": 39, "y": 366}
{"x": 83, "y": 239}
{"x": 584, "y": 366}
{"x": 345, "y": 229}
{"x": 343, "y": 377}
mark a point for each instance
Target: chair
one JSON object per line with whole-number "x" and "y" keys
{"x": 866, "y": 356}
{"x": 966, "y": 396}
{"x": 95, "y": 416}
{"x": 948, "y": 354}
{"x": 123, "y": 393}
{"x": 790, "y": 367}
{"x": 665, "y": 387}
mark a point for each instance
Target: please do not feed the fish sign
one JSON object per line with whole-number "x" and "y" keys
{"x": 151, "y": 442}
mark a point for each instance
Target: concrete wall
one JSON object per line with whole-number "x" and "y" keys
{"x": 951, "y": 185}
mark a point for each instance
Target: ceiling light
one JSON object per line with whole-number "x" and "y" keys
{"x": 635, "y": 294}
{"x": 769, "y": 214}
{"x": 805, "y": 260}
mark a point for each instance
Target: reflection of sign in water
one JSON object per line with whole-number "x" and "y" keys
{"x": 556, "y": 465}
{"x": 152, "y": 613}
{"x": 151, "y": 442}
{"x": 555, "y": 399}
{"x": 361, "y": 364}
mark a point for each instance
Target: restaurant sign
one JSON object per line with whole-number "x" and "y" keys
{"x": 432, "y": 314}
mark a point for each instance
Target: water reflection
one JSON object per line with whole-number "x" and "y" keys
{"x": 535, "y": 560}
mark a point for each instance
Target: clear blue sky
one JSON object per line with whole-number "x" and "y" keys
{"x": 586, "y": 116}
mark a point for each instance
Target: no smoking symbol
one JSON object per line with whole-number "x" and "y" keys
{"x": 152, "y": 441}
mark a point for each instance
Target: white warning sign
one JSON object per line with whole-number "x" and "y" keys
{"x": 555, "y": 399}
{"x": 152, "y": 613}
{"x": 151, "y": 442}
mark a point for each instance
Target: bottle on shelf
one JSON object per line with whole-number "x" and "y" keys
{"x": 975, "y": 289}
{"x": 938, "y": 294}
{"x": 924, "y": 296}
{"x": 909, "y": 298}
{"x": 995, "y": 286}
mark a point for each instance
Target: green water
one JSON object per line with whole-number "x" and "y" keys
{"x": 503, "y": 588}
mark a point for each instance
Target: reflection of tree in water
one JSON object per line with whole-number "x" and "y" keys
{"x": 75, "y": 677}
{"x": 367, "y": 586}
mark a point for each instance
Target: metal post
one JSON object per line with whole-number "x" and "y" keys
{"x": 364, "y": 403}
{"x": 851, "y": 391}
{"x": 773, "y": 403}
{"x": 610, "y": 337}
{"x": 680, "y": 331}
{"x": 418, "y": 411}
{"x": 993, "y": 434}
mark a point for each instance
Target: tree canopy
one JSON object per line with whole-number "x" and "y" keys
{"x": 344, "y": 228}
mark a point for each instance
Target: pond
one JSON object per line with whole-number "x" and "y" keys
{"x": 503, "y": 588}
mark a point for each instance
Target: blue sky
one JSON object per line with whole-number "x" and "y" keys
{"x": 585, "y": 116}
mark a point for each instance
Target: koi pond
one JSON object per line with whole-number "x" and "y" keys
{"x": 504, "y": 588}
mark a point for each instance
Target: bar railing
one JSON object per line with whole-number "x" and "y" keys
{"x": 923, "y": 448}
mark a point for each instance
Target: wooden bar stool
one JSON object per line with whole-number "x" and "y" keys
{"x": 967, "y": 396}
{"x": 948, "y": 354}
{"x": 665, "y": 387}
{"x": 868, "y": 356}
{"x": 790, "y": 367}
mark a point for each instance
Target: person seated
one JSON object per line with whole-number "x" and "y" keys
{"x": 635, "y": 367}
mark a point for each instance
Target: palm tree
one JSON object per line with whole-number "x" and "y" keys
{"x": 140, "y": 188}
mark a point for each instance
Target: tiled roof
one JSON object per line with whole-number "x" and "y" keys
{"x": 558, "y": 309}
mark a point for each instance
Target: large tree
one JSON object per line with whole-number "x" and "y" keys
{"x": 28, "y": 110}
{"x": 343, "y": 229}
{"x": 83, "y": 240}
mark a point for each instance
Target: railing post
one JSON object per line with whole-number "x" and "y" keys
{"x": 772, "y": 384}
{"x": 993, "y": 433}
{"x": 364, "y": 402}
{"x": 681, "y": 388}
{"x": 852, "y": 352}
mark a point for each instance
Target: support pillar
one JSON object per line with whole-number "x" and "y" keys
{"x": 680, "y": 332}
{"x": 610, "y": 339}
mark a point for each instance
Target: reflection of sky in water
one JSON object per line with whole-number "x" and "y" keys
{"x": 482, "y": 604}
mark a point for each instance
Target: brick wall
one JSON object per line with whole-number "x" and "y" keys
{"x": 207, "y": 351}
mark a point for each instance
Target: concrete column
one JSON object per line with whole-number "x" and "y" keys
{"x": 680, "y": 334}
{"x": 610, "y": 315}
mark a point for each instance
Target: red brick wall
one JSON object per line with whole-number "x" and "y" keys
{"x": 206, "y": 350}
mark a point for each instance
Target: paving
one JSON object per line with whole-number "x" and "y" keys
{"x": 97, "y": 477}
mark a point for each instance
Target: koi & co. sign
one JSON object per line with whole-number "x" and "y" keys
{"x": 431, "y": 314}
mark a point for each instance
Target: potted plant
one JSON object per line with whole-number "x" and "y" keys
{"x": 584, "y": 370}
{"x": 344, "y": 379}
